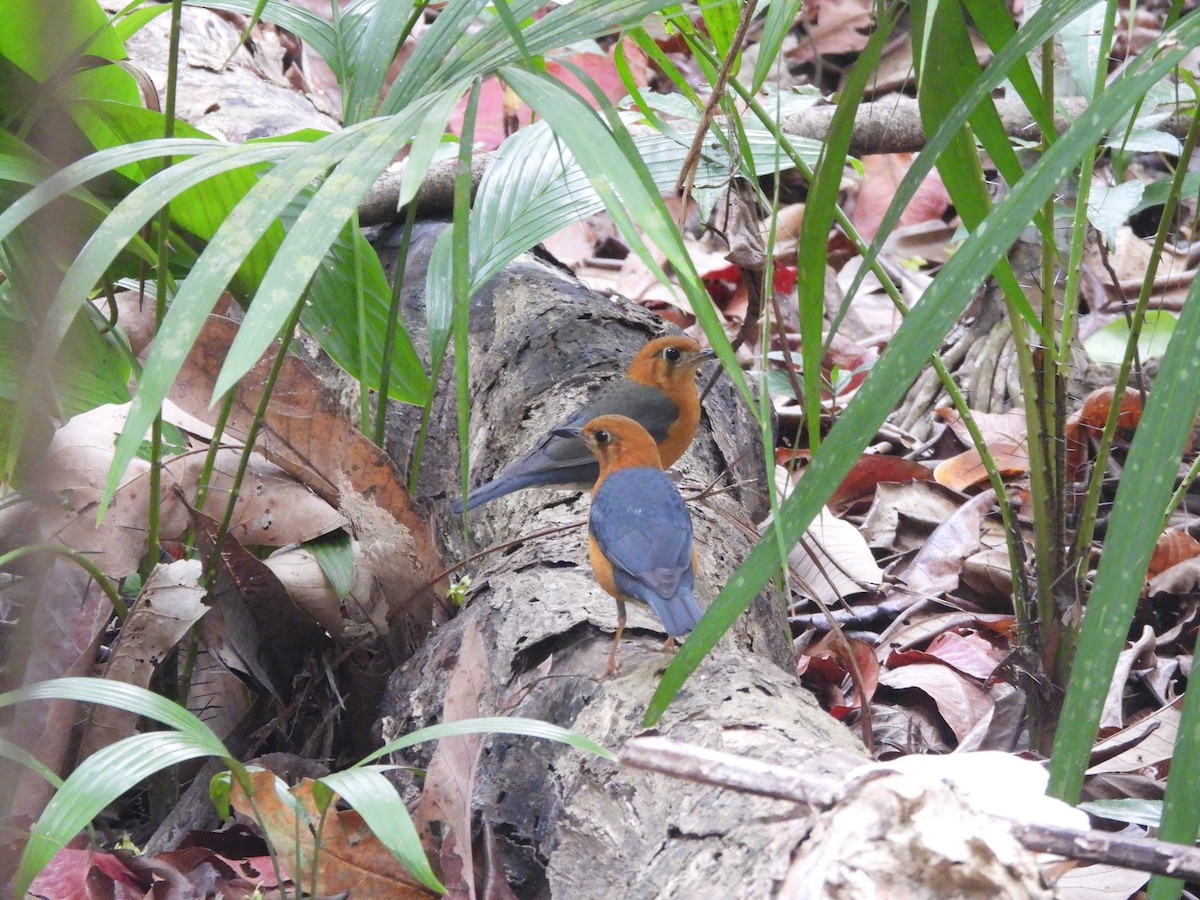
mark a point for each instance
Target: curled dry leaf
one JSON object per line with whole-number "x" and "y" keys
{"x": 966, "y": 470}
{"x": 301, "y": 574}
{"x": 1146, "y": 744}
{"x": 261, "y": 623}
{"x": 961, "y": 702}
{"x": 1172, "y": 548}
{"x": 171, "y": 602}
{"x": 1085, "y": 427}
{"x": 824, "y": 668}
{"x": 938, "y": 564}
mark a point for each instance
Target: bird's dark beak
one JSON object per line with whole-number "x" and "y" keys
{"x": 567, "y": 433}
{"x": 701, "y": 356}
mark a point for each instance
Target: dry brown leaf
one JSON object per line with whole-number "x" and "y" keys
{"x": 170, "y": 603}
{"x": 1173, "y": 547}
{"x": 1113, "y": 715}
{"x": 305, "y": 434}
{"x": 350, "y": 858}
{"x": 1147, "y": 743}
{"x": 960, "y": 701}
{"x": 1005, "y": 428}
{"x": 903, "y": 516}
{"x": 272, "y": 509}
{"x": 450, "y": 779}
{"x": 269, "y": 633}
{"x": 301, "y": 574}
{"x": 937, "y": 566}
{"x": 833, "y": 560}
{"x": 882, "y": 174}
{"x": 966, "y": 470}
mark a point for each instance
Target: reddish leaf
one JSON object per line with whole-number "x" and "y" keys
{"x": 870, "y": 470}
{"x": 1173, "y": 547}
{"x": 963, "y": 704}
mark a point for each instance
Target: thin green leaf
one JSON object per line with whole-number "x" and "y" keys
{"x": 208, "y": 278}
{"x": 334, "y": 553}
{"x": 1040, "y": 27}
{"x": 334, "y": 204}
{"x": 609, "y": 157}
{"x": 818, "y": 219}
{"x": 781, "y": 17}
{"x": 492, "y": 725}
{"x": 23, "y": 757}
{"x": 98, "y": 781}
{"x": 309, "y": 27}
{"x": 918, "y": 337}
{"x": 374, "y": 797}
{"x": 1134, "y": 528}
{"x": 373, "y": 48}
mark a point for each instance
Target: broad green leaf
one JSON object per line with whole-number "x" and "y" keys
{"x": 89, "y": 369}
{"x": 202, "y": 208}
{"x": 1132, "y": 810}
{"x": 1108, "y": 344}
{"x": 41, "y": 43}
{"x": 332, "y": 321}
{"x": 117, "y": 229}
{"x": 1110, "y": 207}
{"x": 372, "y": 48}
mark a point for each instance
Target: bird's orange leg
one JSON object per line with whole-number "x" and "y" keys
{"x": 611, "y": 668}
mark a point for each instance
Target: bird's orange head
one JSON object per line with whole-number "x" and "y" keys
{"x": 669, "y": 363}
{"x": 617, "y": 442}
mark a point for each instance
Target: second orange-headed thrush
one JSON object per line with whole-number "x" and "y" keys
{"x": 639, "y": 529}
{"x": 658, "y": 392}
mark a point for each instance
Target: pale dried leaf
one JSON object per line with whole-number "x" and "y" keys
{"x": 170, "y": 603}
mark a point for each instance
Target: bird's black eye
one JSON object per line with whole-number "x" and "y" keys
{"x": 672, "y": 354}
{"x": 602, "y": 436}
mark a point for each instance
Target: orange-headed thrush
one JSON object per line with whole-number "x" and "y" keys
{"x": 658, "y": 392}
{"x": 639, "y": 530}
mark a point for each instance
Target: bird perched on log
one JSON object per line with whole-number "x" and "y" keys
{"x": 639, "y": 529}
{"x": 658, "y": 392}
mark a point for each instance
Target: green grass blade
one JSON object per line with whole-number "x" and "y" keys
{"x": 1146, "y": 485}
{"x": 917, "y": 338}
{"x": 818, "y": 220}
